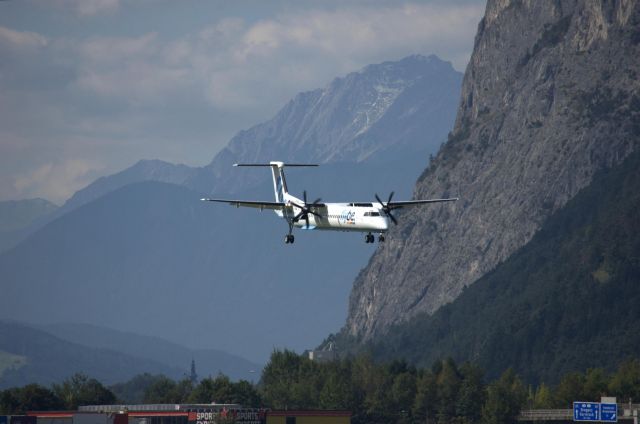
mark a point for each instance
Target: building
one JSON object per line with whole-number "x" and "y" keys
{"x": 179, "y": 414}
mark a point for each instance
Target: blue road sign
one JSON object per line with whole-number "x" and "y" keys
{"x": 609, "y": 412}
{"x": 586, "y": 411}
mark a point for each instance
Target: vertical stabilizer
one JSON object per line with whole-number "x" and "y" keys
{"x": 279, "y": 182}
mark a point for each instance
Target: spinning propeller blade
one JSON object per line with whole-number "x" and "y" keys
{"x": 305, "y": 209}
{"x": 386, "y": 208}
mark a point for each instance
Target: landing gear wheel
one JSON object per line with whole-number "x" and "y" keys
{"x": 381, "y": 238}
{"x": 369, "y": 238}
{"x": 289, "y": 238}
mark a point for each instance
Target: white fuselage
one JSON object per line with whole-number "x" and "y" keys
{"x": 360, "y": 217}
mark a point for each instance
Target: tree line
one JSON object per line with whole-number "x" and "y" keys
{"x": 393, "y": 392}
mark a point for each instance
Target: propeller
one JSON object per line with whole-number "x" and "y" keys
{"x": 306, "y": 209}
{"x": 386, "y": 208}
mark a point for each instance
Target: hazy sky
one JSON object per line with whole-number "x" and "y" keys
{"x": 89, "y": 87}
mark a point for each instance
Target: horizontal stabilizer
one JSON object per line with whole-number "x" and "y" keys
{"x": 281, "y": 164}
{"x": 249, "y": 203}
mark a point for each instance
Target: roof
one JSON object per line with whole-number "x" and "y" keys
{"x": 159, "y": 407}
{"x": 309, "y": 413}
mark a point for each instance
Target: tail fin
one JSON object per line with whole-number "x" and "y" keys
{"x": 279, "y": 182}
{"x": 277, "y": 171}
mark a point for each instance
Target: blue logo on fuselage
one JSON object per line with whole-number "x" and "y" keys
{"x": 347, "y": 217}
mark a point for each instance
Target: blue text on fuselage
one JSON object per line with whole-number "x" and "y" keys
{"x": 347, "y": 217}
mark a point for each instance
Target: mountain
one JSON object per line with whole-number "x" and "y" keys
{"x": 566, "y": 301}
{"x": 386, "y": 112}
{"x": 549, "y": 98}
{"x": 148, "y": 257}
{"x": 17, "y": 215}
{"x": 208, "y": 361}
{"x": 39, "y": 357}
{"x": 143, "y": 170}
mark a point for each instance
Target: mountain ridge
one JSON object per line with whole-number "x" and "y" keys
{"x": 156, "y": 349}
{"x": 17, "y": 216}
{"x": 49, "y": 359}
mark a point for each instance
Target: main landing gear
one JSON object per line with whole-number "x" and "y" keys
{"x": 289, "y": 239}
{"x": 370, "y": 238}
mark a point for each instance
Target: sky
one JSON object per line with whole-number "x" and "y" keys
{"x": 89, "y": 87}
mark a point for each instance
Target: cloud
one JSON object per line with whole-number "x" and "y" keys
{"x": 88, "y": 8}
{"x": 237, "y": 65}
{"x": 179, "y": 95}
{"x": 56, "y": 181}
{"x": 137, "y": 70}
{"x": 21, "y": 39}
{"x": 116, "y": 50}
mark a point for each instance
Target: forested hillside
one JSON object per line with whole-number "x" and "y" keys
{"x": 566, "y": 301}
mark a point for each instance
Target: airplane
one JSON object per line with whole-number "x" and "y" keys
{"x": 367, "y": 217}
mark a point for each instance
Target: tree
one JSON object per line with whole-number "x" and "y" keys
{"x": 424, "y": 404}
{"x": 218, "y": 390}
{"x": 378, "y": 396}
{"x": 291, "y": 381}
{"x": 183, "y": 390}
{"x": 448, "y": 385}
{"x": 505, "y": 398}
{"x": 570, "y": 389}
{"x": 471, "y": 394}
{"x": 133, "y": 391}
{"x": 543, "y": 397}
{"x": 403, "y": 393}
{"x": 625, "y": 383}
{"x": 246, "y": 394}
{"x": 162, "y": 390}
{"x": 32, "y": 397}
{"x": 82, "y": 390}
{"x": 595, "y": 384}
{"x": 337, "y": 390}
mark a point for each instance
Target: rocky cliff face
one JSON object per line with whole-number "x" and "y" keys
{"x": 551, "y": 95}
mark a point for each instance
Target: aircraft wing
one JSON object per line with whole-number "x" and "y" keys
{"x": 402, "y": 204}
{"x": 249, "y": 203}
